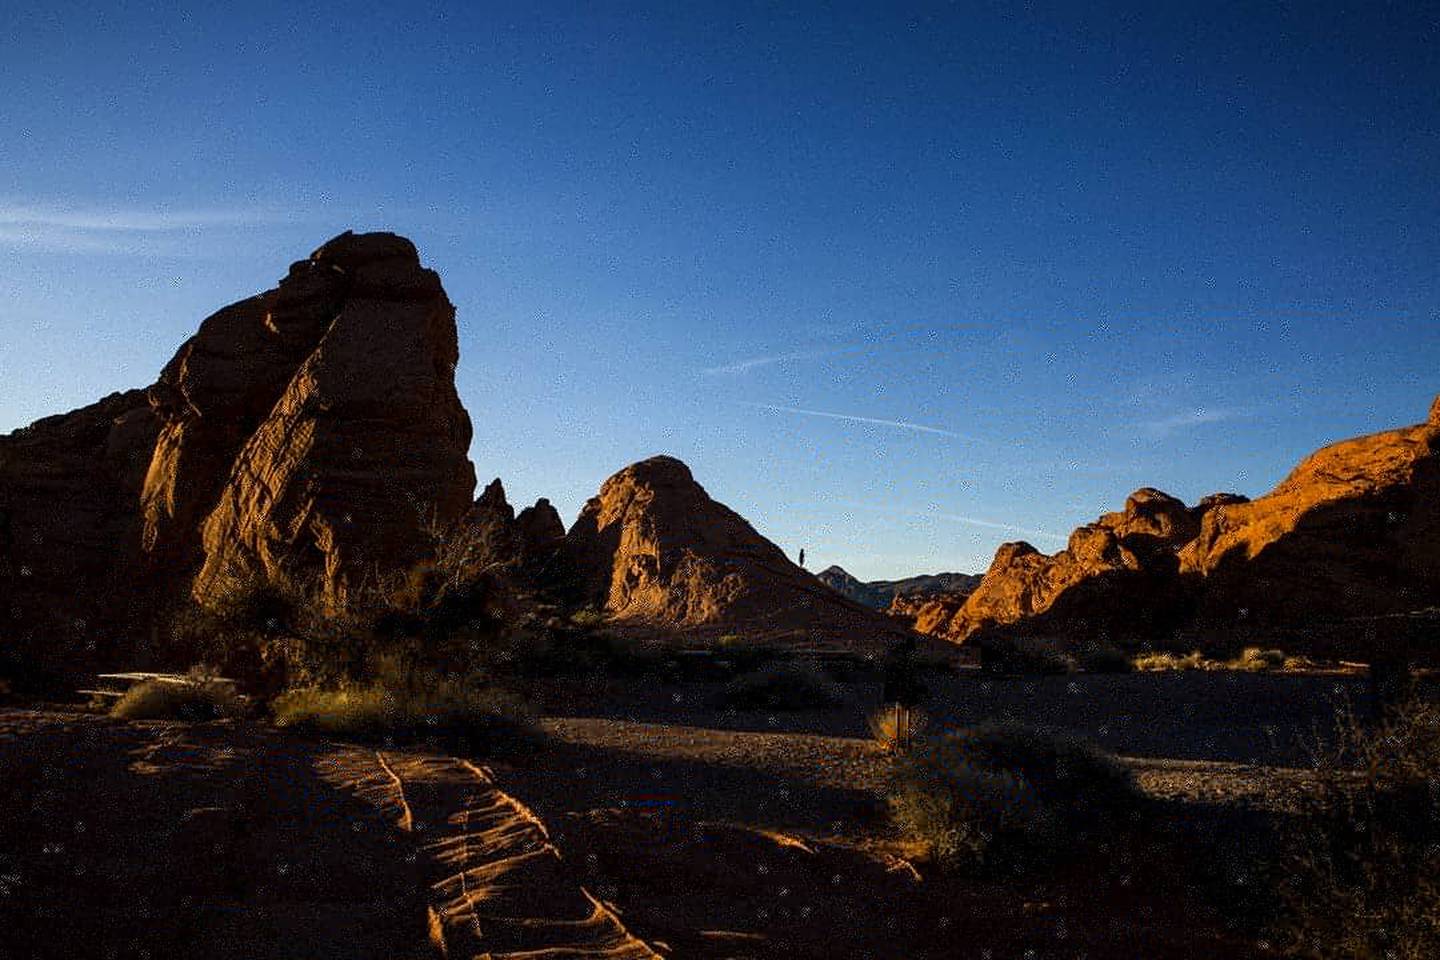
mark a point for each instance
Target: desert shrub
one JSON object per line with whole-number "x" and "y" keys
{"x": 1103, "y": 658}
{"x": 196, "y": 700}
{"x": 1024, "y": 655}
{"x": 589, "y": 618}
{"x": 783, "y": 686}
{"x": 1011, "y": 796}
{"x": 1257, "y": 660}
{"x": 1160, "y": 660}
{"x": 1363, "y": 867}
{"x": 408, "y": 706}
{"x": 883, "y": 725}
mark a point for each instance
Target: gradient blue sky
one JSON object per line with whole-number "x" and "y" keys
{"x": 898, "y": 282}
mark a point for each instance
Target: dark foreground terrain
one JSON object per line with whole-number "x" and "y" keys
{"x": 660, "y": 824}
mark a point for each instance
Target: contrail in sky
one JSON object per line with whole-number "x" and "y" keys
{"x": 850, "y": 418}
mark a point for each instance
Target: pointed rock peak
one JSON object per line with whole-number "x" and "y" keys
{"x": 834, "y": 570}
{"x": 493, "y": 495}
{"x": 1435, "y": 411}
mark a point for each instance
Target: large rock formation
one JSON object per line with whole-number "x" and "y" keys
{"x": 656, "y": 552}
{"x": 884, "y": 594}
{"x": 313, "y": 430}
{"x": 1353, "y": 532}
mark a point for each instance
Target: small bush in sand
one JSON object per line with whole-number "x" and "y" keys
{"x": 1162, "y": 660}
{"x": 414, "y": 707}
{"x": 1363, "y": 868}
{"x": 1256, "y": 660}
{"x": 588, "y": 619}
{"x": 893, "y": 729}
{"x": 201, "y": 699}
{"x": 1013, "y": 796}
{"x": 783, "y": 686}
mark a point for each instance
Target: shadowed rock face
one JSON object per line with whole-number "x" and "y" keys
{"x": 1354, "y": 531}
{"x": 656, "y": 551}
{"x": 314, "y": 427}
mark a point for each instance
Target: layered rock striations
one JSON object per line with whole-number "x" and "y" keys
{"x": 312, "y": 430}
{"x": 655, "y": 551}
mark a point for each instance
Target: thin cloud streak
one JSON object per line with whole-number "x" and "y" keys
{"x": 744, "y": 366}
{"x": 958, "y": 518}
{"x": 131, "y": 220}
{"x": 1194, "y": 418}
{"x": 850, "y": 418}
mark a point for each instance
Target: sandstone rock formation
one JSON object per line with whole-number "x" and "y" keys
{"x": 1353, "y": 532}
{"x": 313, "y": 429}
{"x": 884, "y": 594}
{"x": 491, "y": 534}
{"x": 655, "y": 551}
{"x": 70, "y": 529}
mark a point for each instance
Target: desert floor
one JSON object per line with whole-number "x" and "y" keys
{"x": 653, "y": 824}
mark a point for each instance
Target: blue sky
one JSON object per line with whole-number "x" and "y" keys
{"x": 898, "y": 282}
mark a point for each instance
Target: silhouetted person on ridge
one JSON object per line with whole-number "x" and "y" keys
{"x": 802, "y": 558}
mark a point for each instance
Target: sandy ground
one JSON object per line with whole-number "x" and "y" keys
{"x": 657, "y": 824}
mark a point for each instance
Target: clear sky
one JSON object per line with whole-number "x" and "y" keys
{"x": 898, "y": 282}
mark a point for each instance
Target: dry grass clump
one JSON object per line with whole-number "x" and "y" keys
{"x": 415, "y": 706}
{"x": 893, "y": 732}
{"x": 782, "y": 686}
{"x": 1363, "y": 870}
{"x": 1009, "y": 796}
{"x": 1250, "y": 660}
{"x": 200, "y": 699}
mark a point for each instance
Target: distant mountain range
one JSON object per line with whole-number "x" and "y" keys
{"x": 879, "y": 594}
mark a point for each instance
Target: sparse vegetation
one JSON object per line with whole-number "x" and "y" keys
{"x": 408, "y": 706}
{"x": 588, "y": 619}
{"x": 782, "y": 686}
{"x": 1009, "y": 796}
{"x": 200, "y": 699}
{"x": 1250, "y": 660}
{"x": 1362, "y": 875}
{"x": 890, "y": 731}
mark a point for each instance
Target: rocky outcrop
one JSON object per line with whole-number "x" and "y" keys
{"x": 364, "y": 456}
{"x": 656, "y": 552}
{"x": 885, "y": 594}
{"x": 312, "y": 430}
{"x": 1353, "y": 533}
{"x": 491, "y": 535}
{"x": 70, "y": 530}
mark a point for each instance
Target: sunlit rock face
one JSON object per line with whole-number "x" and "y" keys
{"x": 654, "y": 550}
{"x": 313, "y": 429}
{"x": 1352, "y": 532}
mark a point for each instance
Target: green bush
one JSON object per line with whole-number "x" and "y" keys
{"x": 1010, "y": 795}
{"x": 413, "y": 706}
{"x": 158, "y": 700}
{"x": 1362, "y": 869}
{"x": 785, "y": 686}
